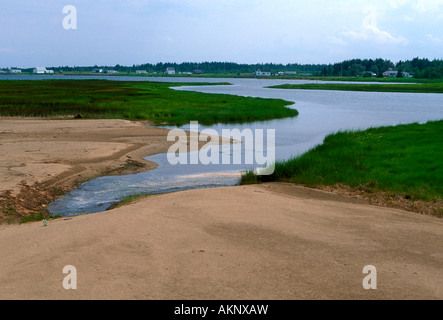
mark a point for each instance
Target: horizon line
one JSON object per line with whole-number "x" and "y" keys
{"x": 239, "y": 63}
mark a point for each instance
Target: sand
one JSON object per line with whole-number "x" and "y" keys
{"x": 41, "y": 150}
{"x": 272, "y": 241}
{"x": 41, "y": 160}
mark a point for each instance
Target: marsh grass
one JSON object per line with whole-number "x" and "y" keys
{"x": 152, "y": 101}
{"x": 127, "y": 200}
{"x": 405, "y": 159}
{"x": 408, "y": 88}
{"x": 33, "y": 217}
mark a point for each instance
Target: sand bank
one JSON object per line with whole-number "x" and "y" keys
{"x": 40, "y": 159}
{"x": 273, "y": 241}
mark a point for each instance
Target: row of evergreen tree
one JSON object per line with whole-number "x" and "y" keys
{"x": 420, "y": 67}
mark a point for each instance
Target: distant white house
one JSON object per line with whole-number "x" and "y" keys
{"x": 98, "y": 71}
{"x": 287, "y": 73}
{"x": 260, "y": 73}
{"x": 112, "y": 71}
{"x": 15, "y": 70}
{"x": 41, "y": 70}
{"x": 390, "y": 73}
{"x": 393, "y": 74}
{"x": 141, "y": 72}
{"x": 170, "y": 71}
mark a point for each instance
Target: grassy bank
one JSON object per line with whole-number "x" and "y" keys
{"x": 411, "y": 88}
{"x": 152, "y": 101}
{"x": 404, "y": 160}
{"x": 377, "y": 80}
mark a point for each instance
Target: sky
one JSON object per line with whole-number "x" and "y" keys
{"x": 127, "y": 32}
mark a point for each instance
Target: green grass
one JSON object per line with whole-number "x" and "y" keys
{"x": 34, "y": 217}
{"x": 411, "y": 88}
{"x": 152, "y": 101}
{"x": 405, "y": 159}
{"x": 376, "y": 80}
{"x": 128, "y": 200}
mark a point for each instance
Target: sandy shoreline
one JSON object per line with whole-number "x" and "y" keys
{"x": 273, "y": 241}
{"x": 258, "y": 242}
{"x": 41, "y": 160}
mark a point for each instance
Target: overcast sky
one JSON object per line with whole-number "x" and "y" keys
{"x": 131, "y": 32}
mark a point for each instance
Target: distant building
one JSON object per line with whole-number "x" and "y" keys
{"x": 15, "y": 70}
{"x": 393, "y": 74}
{"x": 141, "y": 72}
{"x": 98, "y": 71}
{"x": 198, "y": 71}
{"x": 260, "y": 73}
{"x": 390, "y": 73}
{"x": 282, "y": 73}
{"x": 112, "y": 71}
{"x": 170, "y": 71}
{"x": 41, "y": 70}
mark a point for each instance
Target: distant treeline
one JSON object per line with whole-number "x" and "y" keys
{"x": 419, "y": 67}
{"x": 206, "y": 67}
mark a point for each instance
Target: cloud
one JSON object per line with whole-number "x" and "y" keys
{"x": 397, "y": 3}
{"x": 427, "y": 5}
{"x": 369, "y": 31}
{"x": 433, "y": 38}
{"x": 337, "y": 41}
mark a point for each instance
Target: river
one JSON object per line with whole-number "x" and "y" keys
{"x": 321, "y": 113}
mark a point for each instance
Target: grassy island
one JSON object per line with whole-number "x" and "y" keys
{"x": 409, "y": 88}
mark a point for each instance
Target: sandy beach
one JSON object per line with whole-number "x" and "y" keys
{"x": 270, "y": 241}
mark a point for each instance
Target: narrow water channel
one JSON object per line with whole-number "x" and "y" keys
{"x": 321, "y": 113}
